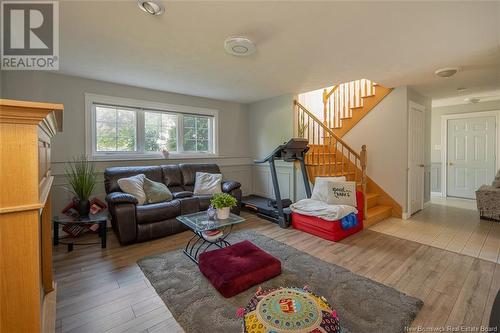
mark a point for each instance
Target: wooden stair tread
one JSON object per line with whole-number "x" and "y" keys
{"x": 376, "y": 214}
{"x": 378, "y": 209}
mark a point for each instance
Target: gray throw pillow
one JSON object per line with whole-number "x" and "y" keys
{"x": 156, "y": 192}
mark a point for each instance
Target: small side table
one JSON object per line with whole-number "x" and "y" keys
{"x": 100, "y": 218}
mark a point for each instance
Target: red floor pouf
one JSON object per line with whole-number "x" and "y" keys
{"x": 238, "y": 267}
{"x": 330, "y": 230}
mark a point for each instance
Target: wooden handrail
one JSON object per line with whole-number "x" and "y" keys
{"x": 327, "y": 95}
{"x": 327, "y": 129}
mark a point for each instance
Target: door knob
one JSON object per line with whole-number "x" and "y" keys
{"x": 421, "y": 165}
{"x": 450, "y": 163}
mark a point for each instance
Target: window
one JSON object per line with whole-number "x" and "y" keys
{"x": 115, "y": 129}
{"x": 119, "y": 128}
{"x": 160, "y": 130}
{"x": 196, "y": 133}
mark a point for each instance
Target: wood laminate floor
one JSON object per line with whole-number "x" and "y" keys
{"x": 449, "y": 224}
{"x": 105, "y": 291}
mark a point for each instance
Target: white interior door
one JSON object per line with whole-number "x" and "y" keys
{"x": 470, "y": 155}
{"x": 415, "y": 159}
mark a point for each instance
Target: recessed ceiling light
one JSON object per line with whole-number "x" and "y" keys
{"x": 151, "y": 7}
{"x": 239, "y": 46}
{"x": 446, "y": 72}
{"x": 461, "y": 89}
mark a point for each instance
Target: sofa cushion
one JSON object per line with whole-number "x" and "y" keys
{"x": 204, "y": 200}
{"x": 111, "y": 175}
{"x": 172, "y": 177}
{"x": 189, "y": 170}
{"x": 158, "y": 211}
{"x": 238, "y": 267}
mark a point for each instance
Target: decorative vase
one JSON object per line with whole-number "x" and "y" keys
{"x": 211, "y": 213}
{"x": 83, "y": 207}
{"x": 223, "y": 213}
{"x": 165, "y": 153}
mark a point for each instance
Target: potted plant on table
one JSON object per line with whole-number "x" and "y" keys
{"x": 81, "y": 177}
{"x": 223, "y": 202}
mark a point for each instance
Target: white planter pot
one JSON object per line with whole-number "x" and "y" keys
{"x": 223, "y": 213}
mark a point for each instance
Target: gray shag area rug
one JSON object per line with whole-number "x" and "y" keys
{"x": 363, "y": 305}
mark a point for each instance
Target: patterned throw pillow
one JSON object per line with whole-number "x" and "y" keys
{"x": 156, "y": 192}
{"x": 321, "y": 188}
{"x": 342, "y": 193}
{"x": 134, "y": 186}
{"x": 207, "y": 183}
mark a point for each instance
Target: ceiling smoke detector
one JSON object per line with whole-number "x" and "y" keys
{"x": 151, "y": 7}
{"x": 446, "y": 72}
{"x": 239, "y": 46}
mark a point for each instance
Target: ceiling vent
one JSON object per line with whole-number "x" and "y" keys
{"x": 446, "y": 72}
{"x": 151, "y": 7}
{"x": 239, "y": 46}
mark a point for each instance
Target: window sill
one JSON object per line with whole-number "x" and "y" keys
{"x": 145, "y": 157}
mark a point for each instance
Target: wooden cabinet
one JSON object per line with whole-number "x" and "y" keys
{"x": 26, "y": 286}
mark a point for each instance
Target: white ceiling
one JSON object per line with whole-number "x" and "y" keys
{"x": 301, "y": 46}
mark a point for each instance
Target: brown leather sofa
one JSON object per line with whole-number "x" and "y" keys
{"x": 133, "y": 223}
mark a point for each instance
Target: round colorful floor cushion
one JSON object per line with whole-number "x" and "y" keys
{"x": 290, "y": 309}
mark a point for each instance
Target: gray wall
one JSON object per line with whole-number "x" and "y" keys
{"x": 234, "y": 145}
{"x": 270, "y": 123}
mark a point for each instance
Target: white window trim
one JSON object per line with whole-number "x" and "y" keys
{"x": 91, "y": 99}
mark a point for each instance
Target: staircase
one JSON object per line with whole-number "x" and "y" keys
{"x": 344, "y": 105}
{"x": 347, "y": 103}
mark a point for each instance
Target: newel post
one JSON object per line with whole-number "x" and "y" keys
{"x": 363, "y": 161}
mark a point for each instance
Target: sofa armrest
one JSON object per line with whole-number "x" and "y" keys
{"x": 122, "y": 208}
{"x": 182, "y": 194}
{"x": 120, "y": 197}
{"x": 229, "y": 186}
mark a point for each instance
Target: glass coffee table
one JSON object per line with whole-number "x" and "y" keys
{"x": 100, "y": 219}
{"x": 203, "y": 228}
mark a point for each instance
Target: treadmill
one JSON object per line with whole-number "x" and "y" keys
{"x": 277, "y": 210}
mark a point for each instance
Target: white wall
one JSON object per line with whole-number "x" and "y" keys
{"x": 234, "y": 147}
{"x": 384, "y": 130}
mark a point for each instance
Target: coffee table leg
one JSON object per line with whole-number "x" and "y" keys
{"x": 55, "y": 226}
{"x": 102, "y": 230}
{"x": 70, "y": 247}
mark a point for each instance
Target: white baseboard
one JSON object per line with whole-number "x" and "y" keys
{"x": 437, "y": 194}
